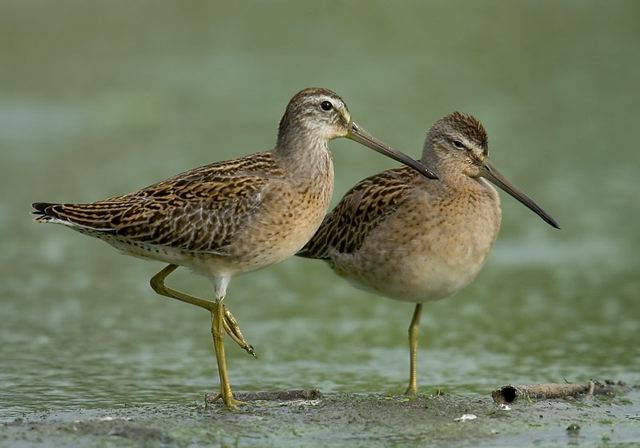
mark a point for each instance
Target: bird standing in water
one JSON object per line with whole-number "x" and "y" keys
{"x": 414, "y": 239}
{"x": 231, "y": 217}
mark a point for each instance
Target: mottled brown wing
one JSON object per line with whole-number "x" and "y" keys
{"x": 361, "y": 210}
{"x": 199, "y": 210}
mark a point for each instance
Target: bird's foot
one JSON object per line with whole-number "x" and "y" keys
{"x": 231, "y": 403}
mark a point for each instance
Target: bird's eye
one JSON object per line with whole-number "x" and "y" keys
{"x": 326, "y": 105}
{"x": 458, "y": 144}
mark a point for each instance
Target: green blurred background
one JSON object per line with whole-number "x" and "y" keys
{"x": 102, "y": 98}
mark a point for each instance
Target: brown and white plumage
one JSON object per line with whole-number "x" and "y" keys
{"x": 231, "y": 217}
{"x": 365, "y": 206}
{"x": 415, "y": 239}
{"x": 203, "y": 214}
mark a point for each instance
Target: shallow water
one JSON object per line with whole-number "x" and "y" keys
{"x": 101, "y": 99}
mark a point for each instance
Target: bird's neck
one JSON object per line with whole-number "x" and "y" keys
{"x": 304, "y": 158}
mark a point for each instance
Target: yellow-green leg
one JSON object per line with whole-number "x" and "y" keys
{"x": 221, "y": 320}
{"x": 414, "y": 329}
{"x": 157, "y": 283}
{"x": 230, "y": 323}
{"x": 217, "y": 318}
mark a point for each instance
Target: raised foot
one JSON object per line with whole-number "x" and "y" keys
{"x": 233, "y": 330}
{"x": 249, "y": 349}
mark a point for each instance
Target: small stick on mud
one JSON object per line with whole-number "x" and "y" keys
{"x": 277, "y": 395}
{"x": 510, "y": 393}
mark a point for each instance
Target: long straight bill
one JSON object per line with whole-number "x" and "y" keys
{"x": 490, "y": 173}
{"x": 357, "y": 134}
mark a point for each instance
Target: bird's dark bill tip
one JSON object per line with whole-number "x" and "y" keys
{"x": 553, "y": 223}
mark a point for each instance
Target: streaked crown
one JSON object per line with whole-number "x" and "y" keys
{"x": 315, "y": 110}
{"x": 459, "y": 129}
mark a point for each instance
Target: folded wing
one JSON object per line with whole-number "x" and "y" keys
{"x": 361, "y": 210}
{"x": 200, "y": 210}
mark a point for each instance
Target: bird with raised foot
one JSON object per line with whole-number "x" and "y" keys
{"x": 231, "y": 217}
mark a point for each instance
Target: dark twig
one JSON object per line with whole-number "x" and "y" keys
{"x": 510, "y": 393}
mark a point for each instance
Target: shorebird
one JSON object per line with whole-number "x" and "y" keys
{"x": 231, "y": 217}
{"x": 414, "y": 239}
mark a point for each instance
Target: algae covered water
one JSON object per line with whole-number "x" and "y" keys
{"x": 104, "y": 98}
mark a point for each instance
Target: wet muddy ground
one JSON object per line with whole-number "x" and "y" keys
{"x": 344, "y": 420}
